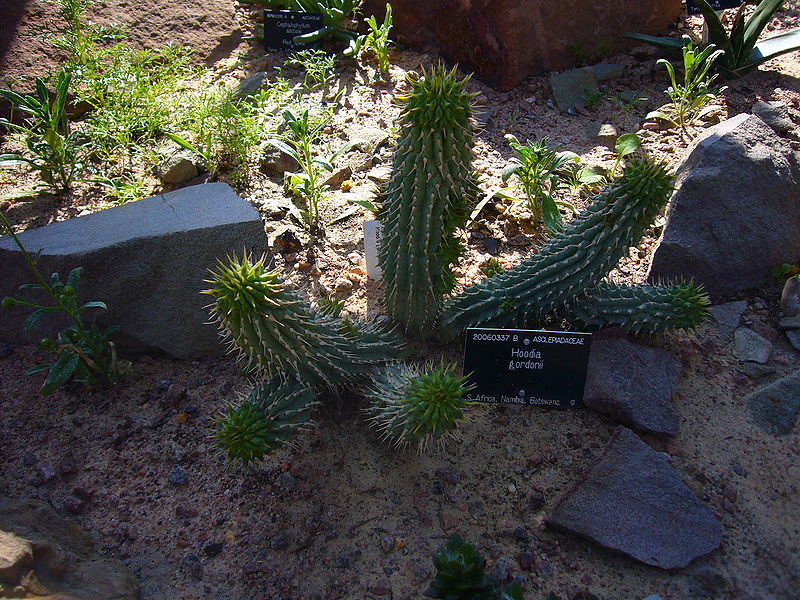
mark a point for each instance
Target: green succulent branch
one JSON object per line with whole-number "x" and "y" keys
{"x": 279, "y": 335}
{"x": 410, "y": 404}
{"x": 572, "y": 262}
{"x": 267, "y": 419}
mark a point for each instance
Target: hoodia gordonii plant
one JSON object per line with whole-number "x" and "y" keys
{"x": 572, "y": 263}
{"x": 410, "y": 404}
{"x": 265, "y": 420}
{"x": 639, "y": 309}
{"x": 279, "y": 335}
{"x": 428, "y": 196}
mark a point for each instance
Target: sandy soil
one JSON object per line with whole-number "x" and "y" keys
{"x": 341, "y": 516}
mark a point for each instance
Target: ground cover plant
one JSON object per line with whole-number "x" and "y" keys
{"x": 287, "y": 487}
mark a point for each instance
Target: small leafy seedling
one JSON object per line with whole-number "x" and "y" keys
{"x": 375, "y": 42}
{"x": 539, "y": 169}
{"x": 82, "y": 354}
{"x": 690, "y": 98}
{"x": 317, "y": 67}
{"x": 460, "y": 576}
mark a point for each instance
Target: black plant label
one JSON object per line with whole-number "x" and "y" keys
{"x": 692, "y": 9}
{"x": 523, "y": 366}
{"x": 282, "y": 26}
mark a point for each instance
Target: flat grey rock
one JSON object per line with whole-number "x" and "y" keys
{"x": 790, "y": 322}
{"x": 728, "y": 315}
{"x": 571, "y": 88}
{"x": 775, "y": 407}
{"x": 606, "y": 71}
{"x": 632, "y": 501}
{"x": 633, "y": 384}
{"x": 721, "y": 230}
{"x": 146, "y": 260}
{"x": 794, "y": 338}
{"x": 177, "y": 166}
{"x": 774, "y": 114}
{"x": 749, "y": 346}
{"x": 790, "y": 297}
{"x": 251, "y": 86}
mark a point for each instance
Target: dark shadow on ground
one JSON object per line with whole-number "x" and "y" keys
{"x": 11, "y": 13}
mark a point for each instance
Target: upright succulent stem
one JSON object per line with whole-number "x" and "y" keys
{"x": 428, "y": 196}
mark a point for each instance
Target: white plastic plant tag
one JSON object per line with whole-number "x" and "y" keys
{"x": 373, "y": 231}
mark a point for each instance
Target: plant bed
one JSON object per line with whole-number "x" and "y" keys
{"x": 338, "y": 514}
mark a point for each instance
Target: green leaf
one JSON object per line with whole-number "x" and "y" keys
{"x": 550, "y": 215}
{"x": 93, "y": 304}
{"x": 509, "y": 170}
{"x": 60, "y": 372}
{"x": 627, "y": 143}
{"x": 34, "y": 318}
{"x": 663, "y": 42}
{"x": 74, "y": 279}
{"x": 365, "y": 203}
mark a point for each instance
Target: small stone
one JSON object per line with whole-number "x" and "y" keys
{"x": 162, "y": 385}
{"x": 447, "y": 475}
{"x": 775, "y": 114}
{"x": 790, "y": 297}
{"x": 177, "y": 167}
{"x": 501, "y": 569}
{"x": 755, "y": 370}
{"x": 776, "y": 407}
{"x": 536, "y": 500}
{"x": 276, "y": 162}
{"x": 285, "y": 481}
{"x": 192, "y": 565}
{"x": 178, "y": 475}
{"x": 571, "y": 88}
{"x": 279, "y": 542}
{"x": 749, "y": 346}
{"x": 521, "y": 535}
{"x": 492, "y": 245}
{"x": 251, "y": 86}
{"x": 525, "y": 561}
{"x": 185, "y": 512}
{"x": 29, "y": 460}
{"x": 794, "y": 339}
{"x": 387, "y": 544}
{"x": 342, "y": 284}
{"x": 211, "y": 549}
{"x": 790, "y": 322}
{"x": 174, "y": 395}
{"x": 382, "y": 587}
{"x": 16, "y": 558}
{"x": 606, "y": 71}
{"x": 728, "y": 315}
{"x": 72, "y": 505}
{"x": 6, "y": 350}
{"x": 285, "y": 240}
{"x": 45, "y": 472}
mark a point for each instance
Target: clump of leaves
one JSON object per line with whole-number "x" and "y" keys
{"x": 784, "y": 270}
{"x": 690, "y": 98}
{"x": 540, "y": 171}
{"x": 743, "y": 52}
{"x": 491, "y": 267}
{"x": 588, "y": 177}
{"x": 52, "y": 149}
{"x": 376, "y": 41}
{"x": 83, "y": 354}
{"x": 460, "y": 576}
{"x": 317, "y": 66}
{"x": 309, "y": 181}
